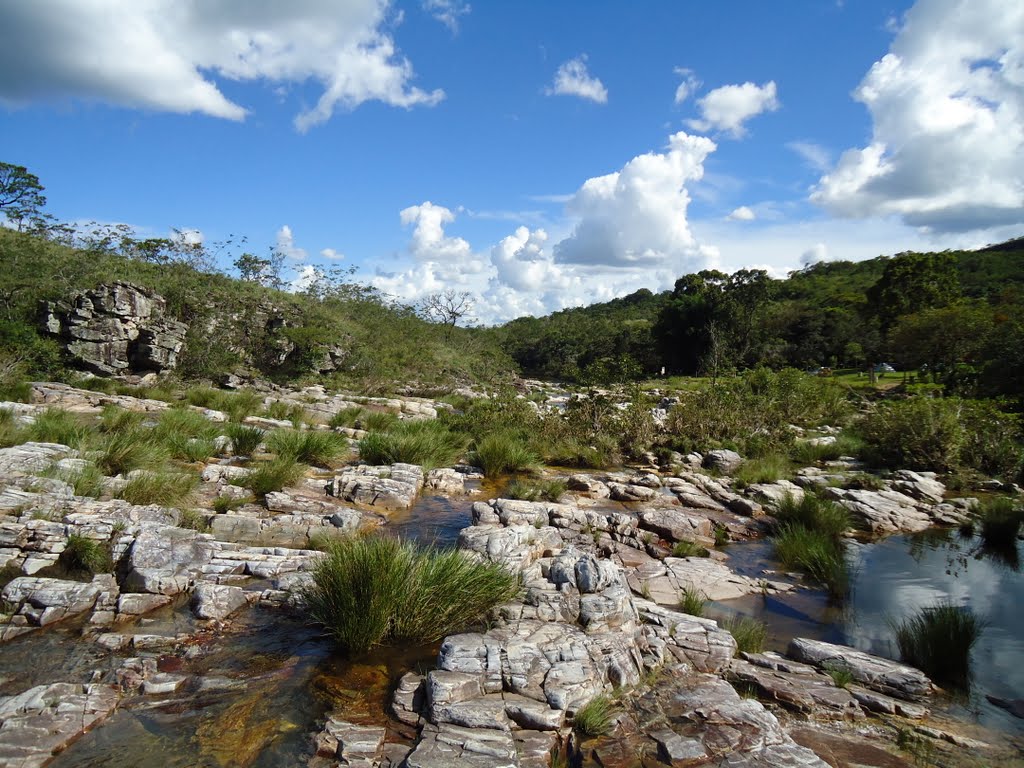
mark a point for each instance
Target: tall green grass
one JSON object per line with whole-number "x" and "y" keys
{"x": 113, "y": 418}
{"x": 346, "y": 417}
{"x": 769, "y": 468}
{"x": 427, "y": 443}
{"x": 535, "y": 490}
{"x": 167, "y": 489}
{"x": 1001, "y": 520}
{"x": 373, "y": 590}
{"x": 309, "y": 446}
{"x": 273, "y": 475}
{"x": 938, "y": 640}
{"x": 83, "y": 555}
{"x": 692, "y": 601}
{"x": 846, "y": 444}
{"x": 57, "y": 426}
{"x": 595, "y": 717}
{"x": 122, "y": 452}
{"x": 502, "y": 453}
{"x": 237, "y": 405}
{"x": 750, "y": 634}
{"x": 245, "y": 441}
{"x": 809, "y": 537}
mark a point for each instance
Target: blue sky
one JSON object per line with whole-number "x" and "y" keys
{"x": 537, "y": 154}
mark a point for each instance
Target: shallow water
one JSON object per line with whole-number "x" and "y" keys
{"x": 893, "y": 578}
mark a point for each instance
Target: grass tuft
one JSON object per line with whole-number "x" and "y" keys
{"x": 429, "y": 444}
{"x": 131, "y": 449}
{"x": 166, "y": 489}
{"x": 85, "y": 556}
{"x": 687, "y": 548}
{"x": 809, "y": 537}
{"x": 938, "y": 640}
{"x": 56, "y": 426}
{"x": 692, "y": 601}
{"x": 245, "y": 441}
{"x": 595, "y": 717}
{"x": 1001, "y": 521}
{"x": 502, "y": 453}
{"x": 309, "y": 447}
{"x": 765, "y": 469}
{"x": 840, "y": 674}
{"x": 750, "y": 634}
{"x": 535, "y": 490}
{"x": 346, "y": 417}
{"x": 373, "y": 590}
{"x": 273, "y": 476}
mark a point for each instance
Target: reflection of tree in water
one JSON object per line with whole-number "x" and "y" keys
{"x": 934, "y": 539}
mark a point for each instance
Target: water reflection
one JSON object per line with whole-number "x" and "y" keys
{"x": 893, "y": 579}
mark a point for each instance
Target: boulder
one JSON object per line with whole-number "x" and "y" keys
{"x": 878, "y": 674}
{"x": 722, "y": 460}
{"x": 216, "y": 601}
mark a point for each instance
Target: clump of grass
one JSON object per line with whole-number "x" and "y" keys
{"x": 809, "y": 537}
{"x": 595, "y": 717}
{"x": 285, "y": 411}
{"x": 721, "y": 535}
{"x": 166, "y": 489}
{"x": 597, "y": 454}
{"x": 864, "y": 481}
{"x": 87, "y": 481}
{"x": 814, "y": 513}
{"x": 194, "y": 520}
{"x": 57, "y": 426}
{"x": 84, "y": 555}
{"x": 1001, "y": 520}
{"x": 765, "y": 469}
{"x": 502, "y": 453}
{"x": 116, "y": 419}
{"x": 309, "y": 447}
{"x": 245, "y": 441}
{"x": 123, "y": 452}
{"x": 750, "y": 634}
{"x": 223, "y": 504}
{"x": 938, "y": 640}
{"x": 182, "y": 421}
{"x": 687, "y": 548}
{"x": 535, "y": 490}
{"x": 845, "y": 444}
{"x": 378, "y": 421}
{"x": 273, "y": 476}
{"x": 237, "y": 405}
{"x": 373, "y": 590}
{"x": 202, "y": 397}
{"x": 427, "y": 443}
{"x": 692, "y": 601}
{"x": 192, "y": 449}
{"x": 840, "y": 674}
{"x": 10, "y": 434}
{"x": 346, "y": 417}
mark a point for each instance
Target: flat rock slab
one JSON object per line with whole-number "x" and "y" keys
{"x": 38, "y": 602}
{"x": 701, "y": 574}
{"x": 878, "y": 674}
{"x": 389, "y": 487}
{"x": 45, "y": 719}
{"x": 886, "y": 511}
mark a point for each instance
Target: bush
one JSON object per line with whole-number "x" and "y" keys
{"x": 309, "y": 446}
{"x": 938, "y": 640}
{"x": 84, "y": 555}
{"x": 502, "y": 453}
{"x": 372, "y": 590}
{"x": 10, "y": 433}
{"x": 595, "y": 717}
{"x": 750, "y": 634}
{"x": 535, "y": 490}
{"x": 429, "y": 444}
{"x": 273, "y": 476}
{"x": 599, "y": 454}
{"x": 245, "y": 441}
{"x": 167, "y": 489}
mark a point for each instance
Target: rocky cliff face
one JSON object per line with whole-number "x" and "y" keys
{"x": 115, "y": 329}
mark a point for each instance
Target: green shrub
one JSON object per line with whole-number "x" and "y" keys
{"x": 115, "y": 419}
{"x": 346, "y": 417}
{"x": 750, "y": 634}
{"x": 535, "y": 490}
{"x": 938, "y": 640}
{"x": 224, "y": 504}
{"x": 273, "y": 475}
{"x": 192, "y": 449}
{"x": 56, "y": 426}
{"x": 84, "y": 555}
{"x": 502, "y": 453}
{"x": 809, "y": 537}
{"x": 378, "y": 421}
{"x": 10, "y": 432}
{"x": 846, "y": 444}
{"x": 692, "y": 601}
{"x": 429, "y": 444}
{"x": 815, "y": 513}
{"x": 194, "y": 520}
{"x": 245, "y": 441}
{"x": 309, "y": 446}
{"x": 185, "y": 422}
{"x": 123, "y": 452}
{"x": 840, "y": 674}
{"x": 167, "y": 489}
{"x": 595, "y": 717}
{"x": 372, "y": 590}
{"x": 572, "y": 453}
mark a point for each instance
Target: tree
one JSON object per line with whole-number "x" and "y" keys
{"x": 912, "y": 282}
{"x": 254, "y": 269}
{"x": 447, "y": 307}
{"x": 21, "y": 196}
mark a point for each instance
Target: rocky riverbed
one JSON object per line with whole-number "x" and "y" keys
{"x": 202, "y": 630}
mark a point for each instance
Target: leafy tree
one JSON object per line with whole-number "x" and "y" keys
{"x": 912, "y": 282}
{"x": 941, "y": 338}
{"x": 21, "y": 196}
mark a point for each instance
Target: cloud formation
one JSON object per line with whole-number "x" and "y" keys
{"x": 743, "y": 213}
{"x": 947, "y": 109}
{"x": 726, "y": 109}
{"x": 285, "y": 244}
{"x": 688, "y": 85}
{"x": 164, "y": 55}
{"x": 573, "y": 79}
{"x": 447, "y": 11}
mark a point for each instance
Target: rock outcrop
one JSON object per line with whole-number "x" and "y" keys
{"x": 117, "y": 328}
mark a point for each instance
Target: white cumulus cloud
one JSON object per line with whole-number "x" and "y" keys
{"x": 947, "y": 108}
{"x": 727, "y": 108}
{"x": 814, "y": 254}
{"x": 167, "y": 55}
{"x": 743, "y": 213}
{"x": 573, "y": 79}
{"x": 285, "y": 244}
{"x": 637, "y": 216}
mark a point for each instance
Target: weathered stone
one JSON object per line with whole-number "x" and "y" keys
{"x": 394, "y": 487}
{"x": 885, "y": 511}
{"x": 722, "y": 460}
{"x": 628, "y": 493}
{"x": 39, "y": 602}
{"x": 216, "y": 601}
{"x": 587, "y": 485}
{"x": 876, "y": 673}
{"x": 675, "y": 525}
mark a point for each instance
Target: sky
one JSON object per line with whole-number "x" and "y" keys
{"x": 537, "y": 154}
